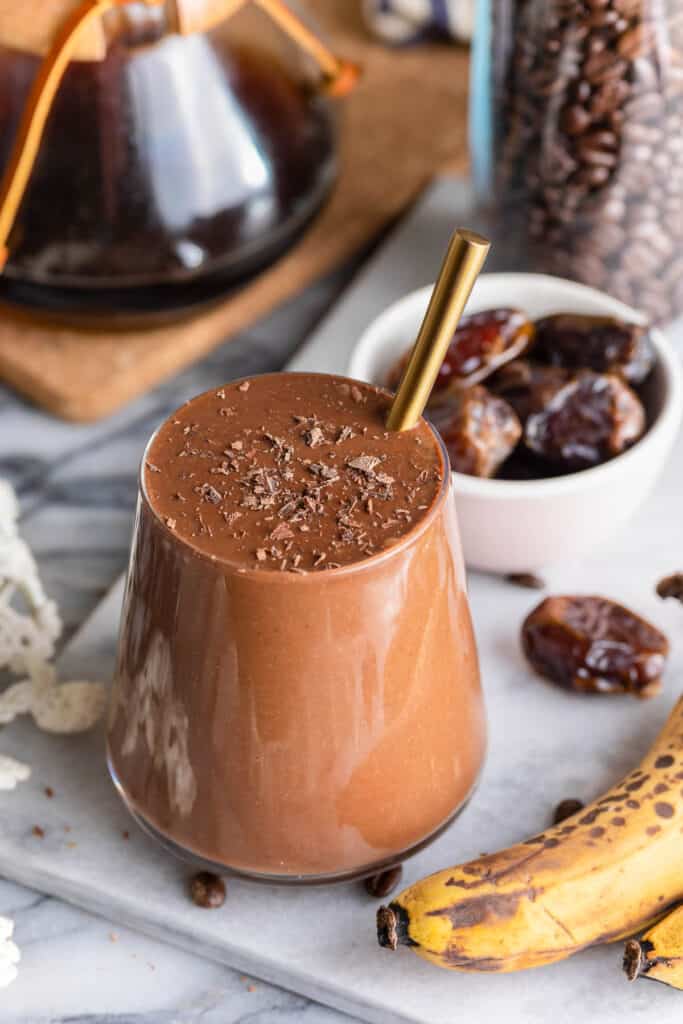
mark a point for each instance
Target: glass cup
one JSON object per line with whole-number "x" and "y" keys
{"x": 297, "y": 727}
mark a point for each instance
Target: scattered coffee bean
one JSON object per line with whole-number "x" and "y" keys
{"x": 528, "y": 580}
{"x": 207, "y": 890}
{"x": 565, "y": 809}
{"x": 381, "y": 885}
{"x": 671, "y": 586}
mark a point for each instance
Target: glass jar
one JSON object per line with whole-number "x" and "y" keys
{"x": 577, "y": 127}
{"x": 172, "y": 166}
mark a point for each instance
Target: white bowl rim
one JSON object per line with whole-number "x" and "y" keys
{"x": 668, "y": 419}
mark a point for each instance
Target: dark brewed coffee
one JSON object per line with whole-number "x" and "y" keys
{"x": 168, "y": 173}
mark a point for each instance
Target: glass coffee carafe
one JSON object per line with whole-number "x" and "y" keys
{"x": 177, "y": 149}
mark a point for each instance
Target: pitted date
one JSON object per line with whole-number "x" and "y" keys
{"x": 479, "y": 431}
{"x": 528, "y": 386}
{"x": 601, "y": 343}
{"x": 482, "y": 343}
{"x": 594, "y": 645}
{"x": 565, "y": 380}
{"x": 590, "y": 420}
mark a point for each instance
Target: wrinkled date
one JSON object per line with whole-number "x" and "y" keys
{"x": 557, "y": 395}
{"x": 599, "y": 343}
{"x": 482, "y": 343}
{"x": 588, "y": 421}
{"x": 594, "y": 645}
{"x": 479, "y": 431}
{"x": 528, "y": 386}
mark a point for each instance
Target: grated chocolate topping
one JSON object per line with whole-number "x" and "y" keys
{"x": 301, "y": 477}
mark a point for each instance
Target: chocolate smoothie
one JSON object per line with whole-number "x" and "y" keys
{"x": 297, "y": 694}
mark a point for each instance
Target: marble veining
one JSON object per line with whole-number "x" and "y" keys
{"x": 77, "y": 488}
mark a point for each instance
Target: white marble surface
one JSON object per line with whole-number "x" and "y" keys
{"x": 544, "y": 746}
{"x": 77, "y": 490}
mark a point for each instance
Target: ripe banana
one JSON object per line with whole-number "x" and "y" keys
{"x": 659, "y": 953}
{"x": 601, "y": 875}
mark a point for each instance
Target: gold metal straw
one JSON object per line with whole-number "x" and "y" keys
{"x": 466, "y": 254}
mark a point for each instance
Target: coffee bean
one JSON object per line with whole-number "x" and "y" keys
{"x": 635, "y": 41}
{"x": 645, "y": 74}
{"x": 575, "y": 119}
{"x": 207, "y": 890}
{"x": 590, "y": 142}
{"x": 565, "y": 809}
{"x": 381, "y": 885}
{"x": 609, "y": 239}
{"x": 528, "y": 580}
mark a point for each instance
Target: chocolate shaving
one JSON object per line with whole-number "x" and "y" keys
{"x": 209, "y": 493}
{"x": 284, "y": 493}
{"x": 225, "y": 469}
{"x": 283, "y": 450}
{"x": 364, "y": 464}
{"x": 327, "y": 473}
{"x": 281, "y": 532}
{"x": 314, "y": 437}
{"x": 152, "y": 468}
{"x": 345, "y": 434}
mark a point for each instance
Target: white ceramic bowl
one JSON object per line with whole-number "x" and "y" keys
{"x": 520, "y": 526}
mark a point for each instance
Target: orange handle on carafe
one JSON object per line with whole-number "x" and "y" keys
{"x": 187, "y": 17}
{"x": 200, "y": 15}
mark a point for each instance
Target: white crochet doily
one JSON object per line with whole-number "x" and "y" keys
{"x": 29, "y": 628}
{"x": 9, "y": 954}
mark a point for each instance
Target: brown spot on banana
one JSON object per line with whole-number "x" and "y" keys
{"x": 479, "y": 909}
{"x": 598, "y": 879}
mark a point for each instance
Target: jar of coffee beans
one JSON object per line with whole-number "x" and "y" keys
{"x": 578, "y": 141}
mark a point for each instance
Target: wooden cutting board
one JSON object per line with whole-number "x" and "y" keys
{"x": 405, "y": 121}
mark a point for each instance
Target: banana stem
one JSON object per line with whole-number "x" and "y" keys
{"x": 392, "y": 927}
{"x": 634, "y": 959}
